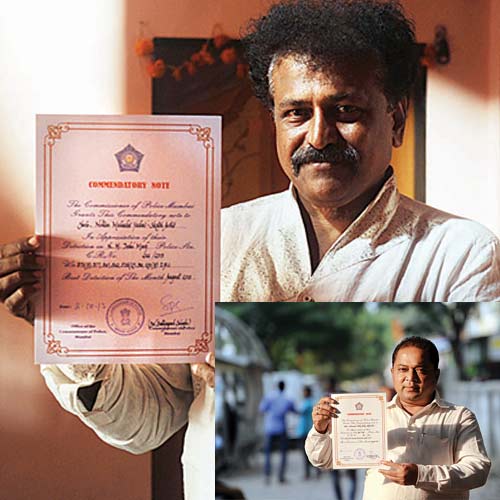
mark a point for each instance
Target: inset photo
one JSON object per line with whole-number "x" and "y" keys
{"x": 357, "y": 401}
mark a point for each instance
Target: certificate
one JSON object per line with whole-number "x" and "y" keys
{"x": 359, "y": 433}
{"x": 128, "y": 210}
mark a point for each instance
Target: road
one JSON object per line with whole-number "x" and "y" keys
{"x": 251, "y": 481}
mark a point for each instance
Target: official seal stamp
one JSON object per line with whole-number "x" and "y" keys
{"x": 129, "y": 159}
{"x": 125, "y": 316}
{"x": 359, "y": 453}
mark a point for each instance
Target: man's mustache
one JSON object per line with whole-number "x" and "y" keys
{"x": 331, "y": 153}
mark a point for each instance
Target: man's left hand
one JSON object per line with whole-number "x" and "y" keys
{"x": 405, "y": 474}
{"x": 206, "y": 370}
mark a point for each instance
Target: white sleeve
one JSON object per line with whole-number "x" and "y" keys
{"x": 138, "y": 407}
{"x": 318, "y": 449}
{"x": 471, "y": 466}
{"x": 479, "y": 279}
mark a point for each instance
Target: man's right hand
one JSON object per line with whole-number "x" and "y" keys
{"x": 20, "y": 274}
{"x": 323, "y": 412}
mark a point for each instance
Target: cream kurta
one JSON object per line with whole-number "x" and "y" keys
{"x": 138, "y": 407}
{"x": 444, "y": 440}
{"x": 397, "y": 250}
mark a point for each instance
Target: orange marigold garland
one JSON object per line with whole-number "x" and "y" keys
{"x": 177, "y": 74}
{"x": 221, "y": 48}
{"x": 229, "y": 55}
{"x": 156, "y": 68}
{"x": 144, "y": 47}
{"x": 220, "y": 40}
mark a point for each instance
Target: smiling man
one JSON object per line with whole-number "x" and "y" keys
{"x": 336, "y": 76}
{"x": 435, "y": 448}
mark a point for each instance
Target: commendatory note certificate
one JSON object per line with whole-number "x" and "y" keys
{"x": 128, "y": 210}
{"x": 359, "y": 433}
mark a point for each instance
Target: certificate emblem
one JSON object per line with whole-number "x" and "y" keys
{"x": 125, "y": 316}
{"x": 129, "y": 159}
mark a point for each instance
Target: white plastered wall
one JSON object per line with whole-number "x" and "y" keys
{"x": 463, "y": 111}
{"x": 57, "y": 57}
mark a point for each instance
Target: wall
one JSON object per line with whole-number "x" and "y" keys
{"x": 493, "y": 114}
{"x": 463, "y": 160}
{"x": 57, "y": 57}
{"x": 484, "y": 400}
{"x": 190, "y": 19}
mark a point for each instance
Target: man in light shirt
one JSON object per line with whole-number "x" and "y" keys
{"x": 435, "y": 448}
{"x": 336, "y": 77}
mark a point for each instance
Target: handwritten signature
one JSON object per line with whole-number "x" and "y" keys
{"x": 171, "y": 305}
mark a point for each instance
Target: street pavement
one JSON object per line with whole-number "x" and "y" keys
{"x": 251, "y": 481}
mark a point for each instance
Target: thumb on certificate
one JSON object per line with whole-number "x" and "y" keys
{"x": 210, "y": 359}
{"x": 205, "y": 372}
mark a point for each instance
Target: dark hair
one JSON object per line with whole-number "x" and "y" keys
{"x": 328, "y": 31}
{"x": 307, "y": 390}
{"x": 281, "y": 385}
{"x": 422, "y": 343}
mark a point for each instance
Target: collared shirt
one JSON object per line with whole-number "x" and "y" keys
{"x": 138, "y": 407}
{"x": 275, "y": 408}
{"x": 397, "y": 249}
{"x": 443, "y": 439}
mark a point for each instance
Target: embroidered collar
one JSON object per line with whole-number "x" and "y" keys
{"x": 369, "y": 231}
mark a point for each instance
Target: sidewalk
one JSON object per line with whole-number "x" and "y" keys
{"x": 251, "y": 481}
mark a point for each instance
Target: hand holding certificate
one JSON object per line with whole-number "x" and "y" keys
{"x": 359, "y": 431}
{"x": 128, "y": 209}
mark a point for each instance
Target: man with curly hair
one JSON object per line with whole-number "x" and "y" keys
{"x": 336, "y": 77}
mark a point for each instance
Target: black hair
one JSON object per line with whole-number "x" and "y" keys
{"x": 324, "y": 32}
{"x": 422, "y": 343}
{"x": 281, "y": 385}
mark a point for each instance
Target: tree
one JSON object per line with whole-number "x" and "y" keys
{"x": 446, "y": 319}
{"x": 341, "y": 339}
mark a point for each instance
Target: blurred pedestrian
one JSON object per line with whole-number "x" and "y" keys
{"x": 275, "y": 407}
{"x": 304, "y": 426}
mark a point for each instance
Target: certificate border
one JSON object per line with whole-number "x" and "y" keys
{"x": 201, "y": 134}
{"x": 351, "y": 465}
